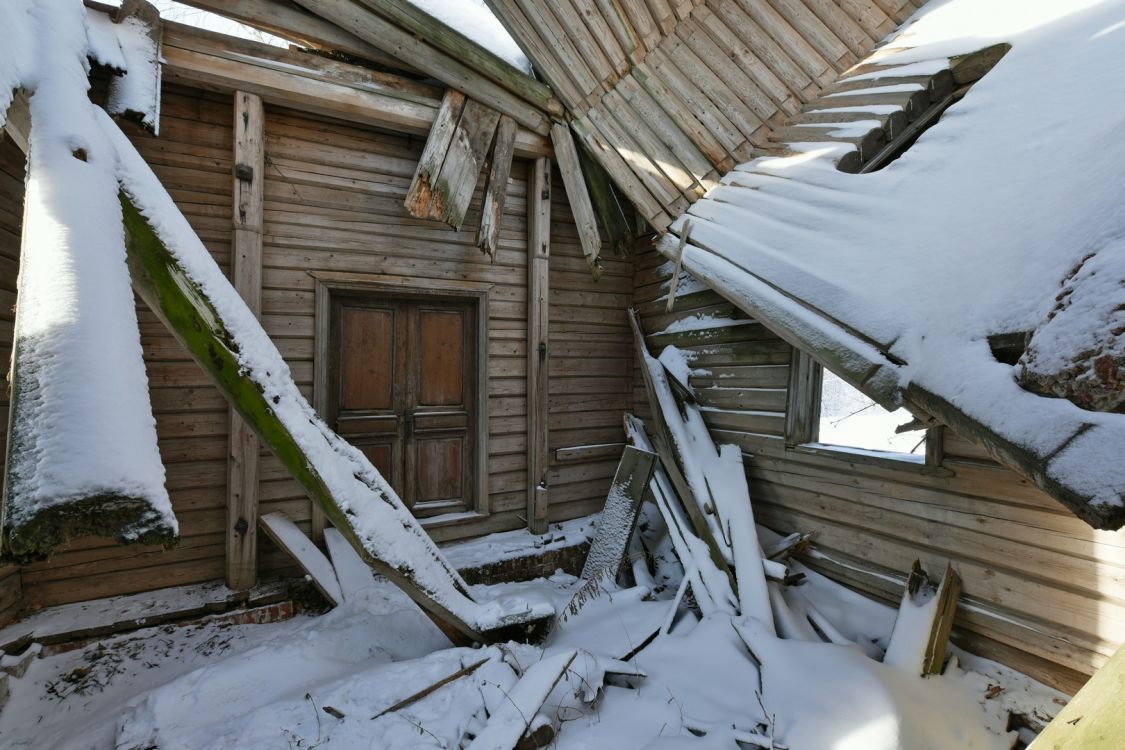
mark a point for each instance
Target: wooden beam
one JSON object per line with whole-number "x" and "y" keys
{"x": 290, "y": 22}
{"x": 607, "y": 204}
{"x": 420, "y": 194}
{"x": 802, "y": 409}
{"x": 410, "y": 17}
{"x": 1093, "y": 719}
{"x": 427, "y": 58}
{"x": 246, "y": 273}
{"x": 311, "y": 560}
{"x": 567, "y": 156}
{"x": 17, "y": 120}
{"x": 496, "y": 194}
{"x": 309, "y": 83}
{"x": 615, "y": 528}
{"x": 450, "y": 166}
{"x": 538, "y": 299}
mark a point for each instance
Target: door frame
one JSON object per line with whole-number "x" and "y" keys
{"x": 328, "y": 283}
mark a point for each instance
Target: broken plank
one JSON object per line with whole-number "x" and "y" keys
{"x": 619, "y": 517}
{"x": 420, "y": 196}
{"x": 419, "y": 695}
{"x": 311, "y": 560}
{"x": 496, "y": 194}
{"x": 566, "y": 155}
{"x": 921, "y": 632}
{"x": 353, "y": 574}
{"x": 457, "y": 180}
{"x": 515, "y": 715}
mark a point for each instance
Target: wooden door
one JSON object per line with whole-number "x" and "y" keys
{"x": 402, "y": 385}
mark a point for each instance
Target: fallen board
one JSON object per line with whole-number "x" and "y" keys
{"x": 513, "y": 717}
{"x": 352, "y": 572}
{"x": 311, "y": 560}
{"x": 619, "y": 517}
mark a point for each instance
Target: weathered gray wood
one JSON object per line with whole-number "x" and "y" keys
{"x": 291, "y": 22}
{"x": 496, "y": 194}
{"x": 465, "y": 50}
{"x": 453, "y": 188}
{"x": 246, "y": 273}
{"x": 950, "y": 588}
{"x": 619, "y": 517}
{"x": 567, "y": 156}
{"x": 427, "y": 58}
{"x": 538, "y": 308}
{"x": 803, "y": 409}
{"x": 149, "y": 16}
{"x": 662, "y": 441}
{"x": 17, "y": 120}
{"x": 420, "y": 195}
{"x": 606, "y": 203}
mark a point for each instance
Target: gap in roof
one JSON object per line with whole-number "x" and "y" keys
{"x": 202, "y": 19}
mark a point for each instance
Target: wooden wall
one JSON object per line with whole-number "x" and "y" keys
{"x": 1042, "y": 590}
{"x": 334, "y": 201}
{"x": 11, "y": 221}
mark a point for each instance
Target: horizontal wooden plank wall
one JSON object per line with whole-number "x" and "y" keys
{"x": 334, "y": 201}
{"x": 671, "y": 94}
{"x": 590, "y": 366}
{"x": 11, "y": 221}
{"x": 1042, "y": 590}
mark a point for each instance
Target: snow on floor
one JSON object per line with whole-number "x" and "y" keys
{"x": 317, "y": 681}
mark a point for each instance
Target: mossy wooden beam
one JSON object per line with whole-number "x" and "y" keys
{"x": 1094, "y": 719}
{"x": 169, "y": 291}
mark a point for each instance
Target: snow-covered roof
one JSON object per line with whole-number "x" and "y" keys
{"x": 897, "y": 278}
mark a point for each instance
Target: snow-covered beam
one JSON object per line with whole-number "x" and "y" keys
{"x": 181, "y": 283}
{"x": 82, "y": 455}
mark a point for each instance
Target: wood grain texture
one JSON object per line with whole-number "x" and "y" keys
{"x": 1042, "y": 591}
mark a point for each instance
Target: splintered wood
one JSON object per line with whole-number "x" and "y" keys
{"x": 925, "y": 617}
{"x": 451, "y": 162}
{"x": 496, "y": 194}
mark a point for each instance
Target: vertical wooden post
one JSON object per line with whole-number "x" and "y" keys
{"x": 802, "y": 411}
{"x": 246, "y": 272}
{"x": 538, "y": 298}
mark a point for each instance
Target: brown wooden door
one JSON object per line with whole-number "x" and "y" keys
{"x": 402, "y": 388}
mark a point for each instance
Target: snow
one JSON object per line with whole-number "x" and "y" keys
{"x": 138, "y": 90}
{"x": 615, "y": 529}
{"x": 513, "y": 716}
{"x": 970, "y": 233}
{"x": 308, "y": 557}
{"x": 850, "y": 420}
{"x": 473, "y": 19}
{"x": 354, "y": 575}
{"x": 83, "y": 425}
{"x": 384, "y": 526}
{"x": 225, "y": 686}
{"x": 509, "y": 545}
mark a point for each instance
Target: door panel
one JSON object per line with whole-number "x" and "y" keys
{"x": 441, "y": 357}
{"x": 402, "y": 390}
{"x": 440, "y": 469}
{"x": 367, "y": 374}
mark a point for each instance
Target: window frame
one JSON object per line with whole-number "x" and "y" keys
{"x": 802, "y": 424}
